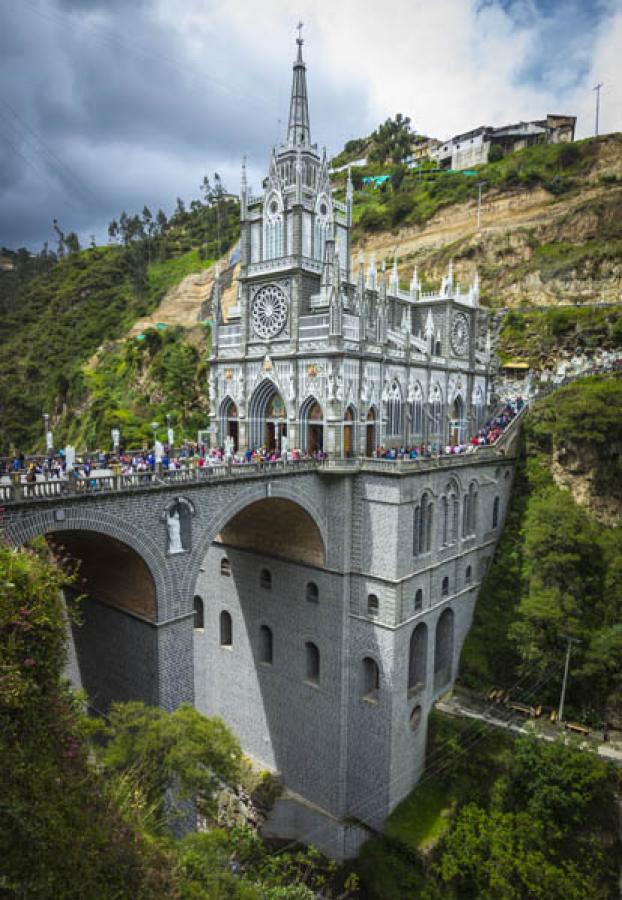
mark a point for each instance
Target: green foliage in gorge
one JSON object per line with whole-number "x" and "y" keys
{"x": 515, "y": 818}
{"x": 557, "y": 570}
{"x": 163, "y": 749}
{"x": 63, "y": 833}
{"x": 82, "y": 802}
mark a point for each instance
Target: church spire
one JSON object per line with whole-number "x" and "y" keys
{"x": 298, "y": 130}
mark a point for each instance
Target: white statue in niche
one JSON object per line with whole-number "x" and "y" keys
{"x": 173, "y": 523}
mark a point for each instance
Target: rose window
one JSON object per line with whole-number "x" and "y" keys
{"x": 269, "y": 311}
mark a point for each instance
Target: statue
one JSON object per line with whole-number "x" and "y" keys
{"x": 365, "y": 389}
{"x": 292, "y": 387}
{"x": 339, "y": 387}
{"x": 173, "y": 524}
{"x": 331, "y": 386}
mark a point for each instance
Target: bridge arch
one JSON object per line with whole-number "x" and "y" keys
{"x": 79, "y": 520}
{"x": 250, "y": 497}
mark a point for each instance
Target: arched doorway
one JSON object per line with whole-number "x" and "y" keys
{"x": 267, "y": 417}
{"x": 312, "y": 426}
{"x": 348, "y": 432}
{"x": 457, "y": 429}
{"x": 370, "y": 432}
{"x": 444, "y": 649}
{"x": 229, "y": 426}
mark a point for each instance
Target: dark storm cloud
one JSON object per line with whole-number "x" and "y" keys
{"x": 104, "y": 106}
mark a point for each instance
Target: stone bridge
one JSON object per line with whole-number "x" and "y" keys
{"x": 320, "y": 609}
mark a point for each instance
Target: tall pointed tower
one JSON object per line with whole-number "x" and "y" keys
{"x": 284, "y": 235}
{"x": 298, "y": 130}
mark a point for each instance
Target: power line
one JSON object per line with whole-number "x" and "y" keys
{"x": 39, "y": 145}
{"x": 440, "y": 763}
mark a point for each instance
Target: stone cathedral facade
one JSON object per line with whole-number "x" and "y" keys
{"x": 330, "y": 357}
{"x": 333, "y": 604}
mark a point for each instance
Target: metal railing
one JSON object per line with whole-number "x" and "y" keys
{"x": 19, "y": 489}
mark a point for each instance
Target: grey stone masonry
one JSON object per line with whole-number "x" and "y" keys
{"x": 330, "y": 618}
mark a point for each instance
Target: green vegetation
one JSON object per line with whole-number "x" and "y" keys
{"x": 557, "y": 570}
{"x": 535, "y": 333}
{"x": 140, "y": 381}
{"x": 414, "y": 195}
{"x": 86, "y": 805}
{"x": 57, "y": 309}
{"x": 518, "y": 818}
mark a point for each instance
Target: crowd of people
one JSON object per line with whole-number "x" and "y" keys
{"x": 200, "y": 456}
{"x": 485, "y": 436}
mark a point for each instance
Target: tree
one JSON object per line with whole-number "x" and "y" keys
{"x": 495, "y": 153}
{"x": 392, "y": 140}
{"x": 72, "y": 243}
{"x": 181, "y": 749}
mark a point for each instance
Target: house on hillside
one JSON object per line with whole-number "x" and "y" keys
{"x": 473, "y": 148}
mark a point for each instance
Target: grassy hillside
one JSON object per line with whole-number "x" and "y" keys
{"x": 138, "y": 381}
{"x": 536, "y": 335}
{"x": 549, "y": 229}
{"x": 55, "y": 312}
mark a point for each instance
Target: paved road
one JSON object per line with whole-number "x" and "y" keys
{"x": 466, "y": 707}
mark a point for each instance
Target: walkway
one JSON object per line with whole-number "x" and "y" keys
{"x": 465, "y": 705}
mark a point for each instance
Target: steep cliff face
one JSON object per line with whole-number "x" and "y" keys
{"x": 593, "y": 478}
{"x": 533, "y": 245}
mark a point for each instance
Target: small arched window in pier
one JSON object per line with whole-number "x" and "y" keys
{"x": 371, "y": 678}
{"x": 312, "y": 662}
{"x": 225, "y": 567}
{"x": 313, "y": 595}
{"x": 265, "y": 579}
{"x": 265, "y": 645}
{"x": 199, "y": 615}
{"x": 373, "y": 605}
{"x": 226, "y": 629}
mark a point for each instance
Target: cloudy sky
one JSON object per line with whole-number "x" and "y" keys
{"x": 112, "y": 104}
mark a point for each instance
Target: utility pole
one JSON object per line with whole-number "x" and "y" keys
{"x": 480, "y": 185}
{"x": 571, "y": 641}
{"x": 597, "y": 88}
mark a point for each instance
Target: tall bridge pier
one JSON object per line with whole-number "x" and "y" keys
{"x": 320, "y": 609}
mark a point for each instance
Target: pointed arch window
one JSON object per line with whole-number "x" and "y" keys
{"x": 394, "y": 411}
{"x": 495, "y": 513}
{"x": 320, "y": 230}
{"x": 436, "y": 412}
{"x": 417, "y": 413}
{"x": 422, "y": 525}
{"x": 273, "y": 228}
